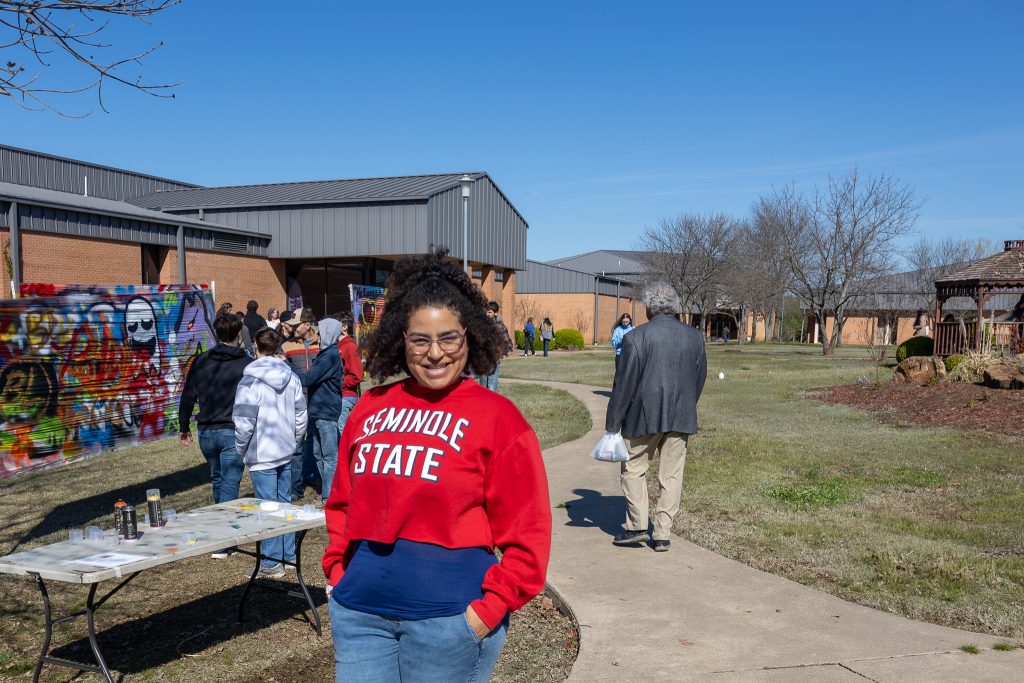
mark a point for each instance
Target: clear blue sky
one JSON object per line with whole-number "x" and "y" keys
{"x": 595, "y": 118}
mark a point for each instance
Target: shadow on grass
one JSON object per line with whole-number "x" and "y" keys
{"x": 194, "y": 627}
{"x": 593, "y": 508}
{"x": 78, "y": 512}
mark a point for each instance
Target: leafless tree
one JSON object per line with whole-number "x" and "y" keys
{"x": 689, "y": 252}
{"x": 36, "y": 34}
{"x": 579, "y": 320}
{"x": 932, "y": 259}
{"x": 844, "y": 235}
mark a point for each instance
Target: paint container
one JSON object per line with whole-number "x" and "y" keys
{"x": 110, "y": 537}
{"x": 309, "y": 509}
{"x": 129, "y": 523}
{"x": 75, "y": 535}
{"x": 189, "y": 538}
{"x": 118, "y": 517}
{"x": 93, "y": 533}
{"x": 170, "y": 515}
{"x": 153, "y": 503}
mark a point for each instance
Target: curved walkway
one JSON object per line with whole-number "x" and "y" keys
{"x": 692, "y": 615}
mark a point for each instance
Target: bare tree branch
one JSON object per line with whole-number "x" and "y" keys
{"x": 43, "y": 29}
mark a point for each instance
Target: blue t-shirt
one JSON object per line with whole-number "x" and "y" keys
{"x": 411, "y": 580}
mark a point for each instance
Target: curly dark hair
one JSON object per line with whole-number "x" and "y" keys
{"x": 432, "y": 281}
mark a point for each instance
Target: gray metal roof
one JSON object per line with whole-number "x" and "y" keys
{"x": 74, "y": 202}
{"x": 394, "y": 189}
{"x": 544, "y": 278}
{"x": 622, "y": 264}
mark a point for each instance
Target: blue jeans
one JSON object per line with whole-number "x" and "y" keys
{"x": 547, "y": 343}
{"x": 491, "y": 381}
{"x": 368, "y": 648}
{"x": 218, "y": 447}
{"x": 275, "y": 484}
{"x": 303, "y": 454}
{"x": 347, "y": 403}
{"x": 325, "y": 451}
{"x": 528, "y": 347}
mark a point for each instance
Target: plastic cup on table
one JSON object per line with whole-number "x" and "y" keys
{"x": 261, "y": 519}
{"x": 189, "y": 538}
{"x": 110, "y": 537}
{"x": 309, "y": 509}
{"x": 170, "y": 515}
{"x": 76, "y": 535}
{"x": 93, "y": 533}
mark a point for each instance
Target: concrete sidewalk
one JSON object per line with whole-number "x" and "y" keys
{"x": 692, "y": 615}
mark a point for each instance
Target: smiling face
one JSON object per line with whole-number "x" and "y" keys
{"x": 435, "y": 367}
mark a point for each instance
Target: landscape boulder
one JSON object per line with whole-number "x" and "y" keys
{"x": 920, "y": 370}
{"x": 1004, "y": 377}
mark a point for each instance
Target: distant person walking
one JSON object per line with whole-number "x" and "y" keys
{"x": 621, "y": 329}
{"x": 270, "y": 420}
{"x": 547, "y": 333}
{"x": 491, "y": 310}
{"x": 323, "y": 382}
{"x": 351, "y": 371}
{"x": 254, "y": 322}
{"x": 529, "y": 335}
{"x": 654, "y": 404}
{"x": 211, "y": 381}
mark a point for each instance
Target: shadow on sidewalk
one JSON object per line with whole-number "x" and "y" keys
{"x": 606, "y": 394}
{"x": 595, "y": 509}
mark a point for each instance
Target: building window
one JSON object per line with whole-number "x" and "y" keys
{"x": 499, "y": 276}
{"x": 478, "y": 274}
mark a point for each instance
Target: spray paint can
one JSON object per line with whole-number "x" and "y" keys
{"x": 119, "y": 517}
{"x": 129, "y": 523}
{"x": 155, "y": 511}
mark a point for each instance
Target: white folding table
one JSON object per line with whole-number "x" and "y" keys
{"x": 215, "y": 527}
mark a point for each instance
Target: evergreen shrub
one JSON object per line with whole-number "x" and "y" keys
{"x": 915, "y": 346}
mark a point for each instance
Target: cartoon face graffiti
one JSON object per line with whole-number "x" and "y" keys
{"x": 140, "y": 326}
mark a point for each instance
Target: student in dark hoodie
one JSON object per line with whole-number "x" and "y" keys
{"x": 212, "y": 381}
{"x": 323, "y": 383}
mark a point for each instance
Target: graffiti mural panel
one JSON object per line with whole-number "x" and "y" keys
{"x": 367, "y": 308}
{"x": 85, "y": 369}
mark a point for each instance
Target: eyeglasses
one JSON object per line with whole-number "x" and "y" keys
{"x": 449, "y": 342}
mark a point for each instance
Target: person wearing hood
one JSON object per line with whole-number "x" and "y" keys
{"x": 323, "y": 384}
{"x": 270, "y": 419}
{"x": 212, "y": 379}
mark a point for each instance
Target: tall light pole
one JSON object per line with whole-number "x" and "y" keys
{"x": 465, "y": 181}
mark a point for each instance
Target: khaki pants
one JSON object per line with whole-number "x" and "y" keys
{"x": 672, "y": 448}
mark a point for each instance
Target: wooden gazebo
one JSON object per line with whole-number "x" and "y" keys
{"x": 999, "y": 274}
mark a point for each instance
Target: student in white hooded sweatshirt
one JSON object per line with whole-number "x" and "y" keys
{"x": 270, "y": 419}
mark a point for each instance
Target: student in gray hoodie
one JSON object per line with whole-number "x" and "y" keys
{"x": 270, "y": 419}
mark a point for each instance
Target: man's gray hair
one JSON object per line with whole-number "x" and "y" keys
{"x": 662, "y": 299}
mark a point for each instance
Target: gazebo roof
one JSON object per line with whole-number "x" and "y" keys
{"x": 1006, "y": 268}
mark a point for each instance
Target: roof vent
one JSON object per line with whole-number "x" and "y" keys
{"x": 1013, "y": 245}
{"x": 236, "y": 244}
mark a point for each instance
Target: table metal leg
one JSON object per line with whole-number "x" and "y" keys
{"x": 248, "y": 586}
{"x": 92, "y": 604}
{"x": 305, "y": 594}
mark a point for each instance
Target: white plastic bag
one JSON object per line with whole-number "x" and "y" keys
{"x": 611, "y": 448}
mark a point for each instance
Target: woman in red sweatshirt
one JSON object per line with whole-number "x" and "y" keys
{"x": 434, "y": 474}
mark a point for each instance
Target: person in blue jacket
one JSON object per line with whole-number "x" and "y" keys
{"x": 530, "y": 333}
{"x": 621, "y": 329}
{"x": 323, "y": 384}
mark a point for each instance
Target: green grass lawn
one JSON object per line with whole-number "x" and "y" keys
{"x": 178, "y": 622}
{"x": 924, "y": 522}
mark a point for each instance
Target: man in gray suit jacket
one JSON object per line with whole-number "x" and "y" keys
{"x": 658, "y": 382}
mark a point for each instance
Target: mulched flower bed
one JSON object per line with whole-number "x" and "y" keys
{"x": 962, "y": 406}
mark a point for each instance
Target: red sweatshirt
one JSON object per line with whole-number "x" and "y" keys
{"x": 352, "y": 374}
{"x": 459, "y": 468}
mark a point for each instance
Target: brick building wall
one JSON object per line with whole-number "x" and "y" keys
{"x": 576, "y": 311}
{"x": 62, "y": 259}
{"x": 237, "y": 278}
